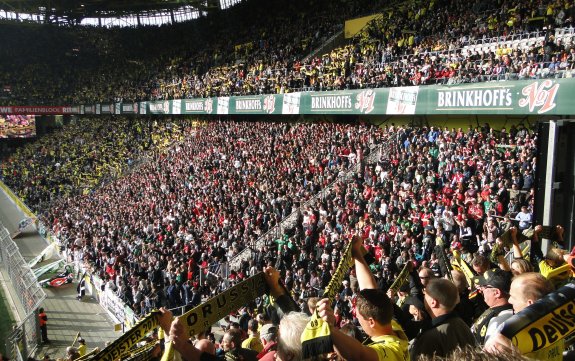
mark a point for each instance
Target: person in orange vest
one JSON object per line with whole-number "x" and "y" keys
{"x": 43, "y": 325}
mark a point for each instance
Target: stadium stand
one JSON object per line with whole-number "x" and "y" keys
{"x": 408, "y": 45}
{"x": 204, "y": 198}
{"x": 154, "y": 208}
{"x": 75, "y": 160}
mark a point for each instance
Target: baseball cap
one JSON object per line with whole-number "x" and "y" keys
{"x": 495, "y": 278}
{"x": 268, "y": 329}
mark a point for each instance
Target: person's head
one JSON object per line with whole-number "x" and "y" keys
{"x": 494, "y": 284}
{"x": 253, "y": 326}
{"x": 425, "y": 275}
{"x": 291, "y": 327}
{"x": 441, "y": 297}
{"x": 374, "y": 309}
{"x": 480, "y": 264}
{"x": 232, "y": 339}
{"x": 554, "y": 257}
{"x": 205, "y": 345}
{"x": 311, "y": 304}
{"x": 262, "y": 318}
{"x": 416, "y": 308}
{"x": 519, "y": 266}
{"x": 70, "y": 351}
{"x": 527, "y": 288}
{"x": 459, "y": 280}
{"x": 234, "y": 325}
{"x": 268, "y": 333}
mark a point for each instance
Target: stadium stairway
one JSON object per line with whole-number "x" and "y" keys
{"x": 290, "y": 221}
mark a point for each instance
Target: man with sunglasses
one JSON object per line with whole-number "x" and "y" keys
{"x": 494, "y": 285}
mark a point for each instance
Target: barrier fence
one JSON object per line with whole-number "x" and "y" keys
{"x": 24, "y": 339}
{"x": 25, "y": 336}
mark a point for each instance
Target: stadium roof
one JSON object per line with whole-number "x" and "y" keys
{"x": 77, "y": 10}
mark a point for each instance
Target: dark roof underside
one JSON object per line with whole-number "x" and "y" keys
{"x": 79, "y": 9}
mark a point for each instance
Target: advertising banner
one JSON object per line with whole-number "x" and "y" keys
{"x": 36, "y": 110}
{"x": 198, "y": 106}
{"x": 257, "y": 104}
{"x": 224, "y": 105}
{"x": 129, "y": 108}
{"x": 291, "y": 103}
{"x": 106, "y": 109}
{"x": 159, "y": 107}
{"x": 176, "y": 106}
{"x": 545, "y": 96}
{"x": 402, "y": 100}
{"x": 536, "y": 96}
{"x": 368, "y": 101}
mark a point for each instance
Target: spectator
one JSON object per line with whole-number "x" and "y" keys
{"x": 268, "y": 337}
{"x": 374, "y": 313}
{"x": 448, "y": 330}
{"x": 253, "y": 341}
{"x": 494, "y": 285}
{"x": 525, "y": 289}
{"x": 524, "y": 218}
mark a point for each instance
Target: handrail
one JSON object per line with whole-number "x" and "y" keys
{"x": 374, "y": 154}
{"x": 329, "y": 41}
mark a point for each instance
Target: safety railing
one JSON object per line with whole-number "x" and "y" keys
{"x": 25, "y": 337}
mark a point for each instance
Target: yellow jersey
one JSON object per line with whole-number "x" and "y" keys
{"x": 253, "y": 343}
{"x": 390, "y": 347}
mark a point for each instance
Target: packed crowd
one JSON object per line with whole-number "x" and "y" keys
{"x": 437, "y": 191}
{"x": 153, "y": 234}
{"x": 453, "y": 187}
{"x": 90, "y": 64}
{"x": 254, "y": 49}
{"x": 80, "y": 156}
{"x": 408, "y": 45}
{"x": 201, "y": 201}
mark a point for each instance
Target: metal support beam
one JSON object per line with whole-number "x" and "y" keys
{"x": 549, "y": 177}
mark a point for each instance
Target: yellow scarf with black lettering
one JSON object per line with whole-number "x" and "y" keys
{"x": 545, "y": 322}
{"x": 316, "y": 338}
{"x": 199, "y": 318}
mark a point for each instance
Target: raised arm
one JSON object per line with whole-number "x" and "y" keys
{"x": 364, "y": 276}
{"x": 517, "y": 253}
